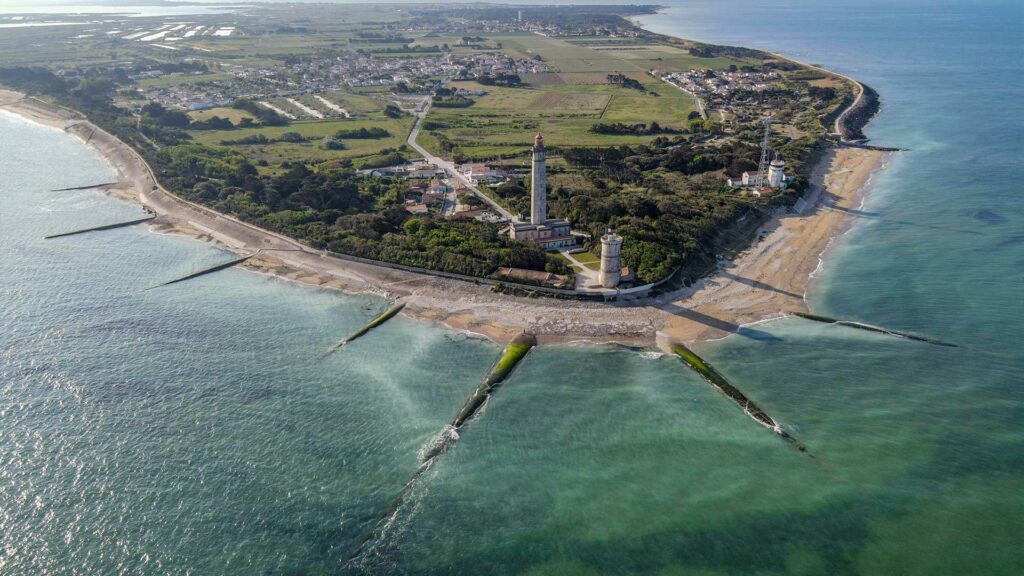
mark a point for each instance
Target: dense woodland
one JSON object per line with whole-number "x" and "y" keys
{"x": 330, "y": 207}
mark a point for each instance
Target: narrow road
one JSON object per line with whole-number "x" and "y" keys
{"x": 450, "y": 168}
{"x": 451, "y": 200}
{"x": 700, "y": 103}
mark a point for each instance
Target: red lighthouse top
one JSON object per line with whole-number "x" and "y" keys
{"x": 538, "y": 142}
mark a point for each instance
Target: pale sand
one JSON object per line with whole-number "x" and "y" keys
{"x": 772, "y": 277}
{"x": 767, "y": 281}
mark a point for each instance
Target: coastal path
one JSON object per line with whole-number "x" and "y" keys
{"x": 837, "y": 126}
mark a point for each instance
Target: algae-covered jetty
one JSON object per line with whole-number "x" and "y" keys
{"x": 204, "y": 271}
{"x": 101, "y": 227}
{"x": 733, "y": 393}
{"x": 377, "y": 321}
{"x": 872, "y": 328}
{"x": 88, "y": 187}
{"x": 510, "y": 357}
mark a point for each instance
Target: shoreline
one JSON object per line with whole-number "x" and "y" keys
{"x": 766, "y": 282}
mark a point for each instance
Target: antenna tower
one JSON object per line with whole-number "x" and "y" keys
{"x": 762, "y": 167}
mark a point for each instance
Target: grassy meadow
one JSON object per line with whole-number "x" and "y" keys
{"x": 504, "y": 121}
{"x": 568, "y": 100}
{"x": 311, "y": 150}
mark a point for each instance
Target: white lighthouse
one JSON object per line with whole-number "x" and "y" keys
{"x": 611, "y": 264}
{"x": 776, "y": 173}
{"x": 538, "y": 184}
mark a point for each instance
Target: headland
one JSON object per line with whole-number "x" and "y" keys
{"x": 766, "y": 281}
{"x": 766, "y": 278}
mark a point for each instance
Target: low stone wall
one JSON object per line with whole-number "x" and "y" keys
{"x": 462, "y": 277}
{"x": 637, "y": 291}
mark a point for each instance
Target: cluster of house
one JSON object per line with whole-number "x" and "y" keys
{"x": 198, "y": 96}
{"x": 359, "y": 69}
{"x": 327, "y": 74}
{"x": 484, "y": 174}
{"x": 429, "y": 185}
{"x": 477, "y": 173}
{"x": 457, "y": 26}
{"x": 419, "y": 170}
{"x": 712, "y": 85}
{"x": 424, "y": 195}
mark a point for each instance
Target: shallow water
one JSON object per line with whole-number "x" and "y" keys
{"x": 194, "y": 429}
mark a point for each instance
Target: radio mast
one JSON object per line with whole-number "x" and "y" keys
{"x": 762, "y": 167}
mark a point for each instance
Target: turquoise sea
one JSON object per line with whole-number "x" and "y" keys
{"x": 195, "y": 429}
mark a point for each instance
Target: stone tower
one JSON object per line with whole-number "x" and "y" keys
{"x": 776, "y": 173}
{"x": 611, "y": 265}
{"x": 538, "y": 184}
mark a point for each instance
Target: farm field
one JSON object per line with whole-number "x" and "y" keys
{"x": 570, "y": 98}
{"x": 233, "y": 114}
{"x": 502, "y": 123}
{"x": 314, "y": 131}
{"x": 574, "y": 57}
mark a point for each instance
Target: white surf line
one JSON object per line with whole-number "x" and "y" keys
{"x": 309, "y": 111}
{"x": 270, "y": 106}
{"x": 135, "y": 35}
{"x": 178, "y": 27}
{"x": 333, "y": 106}
{"x": 164, "y": 46}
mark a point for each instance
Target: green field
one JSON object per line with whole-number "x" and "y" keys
{"x": 356, "y": 104}
{"x": 565, "y": 56}
{"x": 233, "y": 114}
{"x": 311, "y": 151}
{"x": 588, "y": 259}
{"x": 566, "y": 102}
{"x": 504, "y": 121}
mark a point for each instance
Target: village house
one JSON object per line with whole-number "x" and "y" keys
{"x": 478, "y": 173}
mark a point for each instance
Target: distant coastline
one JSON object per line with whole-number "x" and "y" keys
{"x": 767, "y": 281}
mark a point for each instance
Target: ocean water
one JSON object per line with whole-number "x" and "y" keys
{"x": 195, "y": 429}
{"x": 126, "y": 7}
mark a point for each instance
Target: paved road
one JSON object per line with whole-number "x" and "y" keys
{"x": 450, "y": 168}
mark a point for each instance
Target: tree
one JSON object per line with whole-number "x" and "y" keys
{"x": 330, "y": 143}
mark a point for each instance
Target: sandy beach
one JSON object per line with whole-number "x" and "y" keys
{"x": 767, "y": 281}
